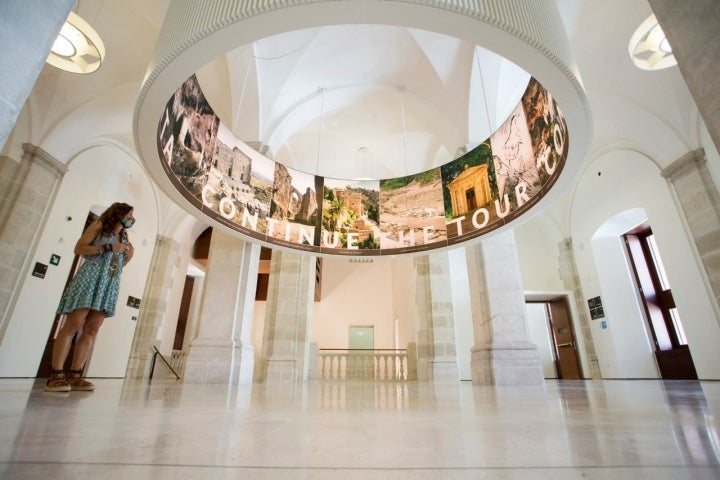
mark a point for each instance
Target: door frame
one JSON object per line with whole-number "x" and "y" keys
{"x": 532, "y": 296}
{"x": 45, "y": 367}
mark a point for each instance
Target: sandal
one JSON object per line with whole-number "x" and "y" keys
{"x": 57, "y": 382}
{"x": 77, "y": 383}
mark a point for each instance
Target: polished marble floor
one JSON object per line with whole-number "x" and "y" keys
{"x": 165, "y": 430}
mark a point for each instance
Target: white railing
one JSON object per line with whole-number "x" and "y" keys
{"x": 362, "y": 364}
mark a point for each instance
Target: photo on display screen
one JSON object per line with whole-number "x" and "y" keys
{"x": 487, "y": 187}
{"x": 350, "y": 214}
{"x": 412, "y": 210}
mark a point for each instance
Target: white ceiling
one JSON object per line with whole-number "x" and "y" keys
{"x": 362, "y": 101}
{"x": 391, "y": 100}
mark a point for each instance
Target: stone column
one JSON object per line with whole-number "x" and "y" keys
{"x": 27, "y": 191}
{"x": 503, "y": 353}
{"x": 29, "y": 29}
{"x": 286, "y": 336}
{"x": 699, "y": 200}
{"x": 163, "y": 269}
{"x": 436, "y": 351}
{"x": 692, "y": 29}
{"x": 571, "y": 281}
{"x": 223, "y": 353}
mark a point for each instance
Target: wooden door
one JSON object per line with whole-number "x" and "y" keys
{"x": 672, "y": 352}
{"x": 568, "y": 366}
{"x": 45, "y": 367}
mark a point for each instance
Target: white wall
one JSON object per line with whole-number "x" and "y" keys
{"x": 630, "y": 180}
{"x": 623, "y": 347}
{"x": 539, "y": 332}
{"x": 354, "y": 294}
{"x": 99, "y": 175}
{"x": 537, "y": 243}
{"x": 374, "y": 294}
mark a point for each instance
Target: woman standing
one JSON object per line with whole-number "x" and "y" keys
{"x": 92, "y": 294}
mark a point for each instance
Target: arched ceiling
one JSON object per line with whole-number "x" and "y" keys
{"x": 356, "y": 90}
{"x": 362, "y": 101}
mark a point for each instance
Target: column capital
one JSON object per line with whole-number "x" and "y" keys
{"x": 33, "y": 153}
{"x": 693, "y": 159}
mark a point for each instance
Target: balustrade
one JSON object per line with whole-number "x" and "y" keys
{"x": 362, "y": 364}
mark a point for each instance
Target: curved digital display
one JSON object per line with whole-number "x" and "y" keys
{"x": 481, "y": 191}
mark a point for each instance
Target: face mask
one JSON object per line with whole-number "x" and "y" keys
{"x": 127, "y": 222}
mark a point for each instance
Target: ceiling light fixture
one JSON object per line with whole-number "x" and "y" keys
{"x": 649, "y": 48}
{"x": 77, "y": 48}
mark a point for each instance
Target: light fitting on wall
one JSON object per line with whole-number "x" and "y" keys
{"x": 77, "y": 48}
{"x": 649, "y": 48}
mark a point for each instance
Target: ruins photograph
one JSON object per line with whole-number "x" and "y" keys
{"x": 350, "y": 212}
{"x": 245, "y": 190}
{"x": 186, "y": 136}
{"x": 412, "y": 210}
{"x": 294, "y": 206}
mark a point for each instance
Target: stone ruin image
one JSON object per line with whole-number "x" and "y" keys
{"x": 188, "y": 130}
{"x": 288, "y": 204}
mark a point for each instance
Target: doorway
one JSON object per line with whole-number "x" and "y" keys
{"x": 568, "y": 365}
{"x": 672, "y": 353}
{"x": 45, "y": 367}
{"x": 551, "y": 329}
{"x": 471, "y": 200}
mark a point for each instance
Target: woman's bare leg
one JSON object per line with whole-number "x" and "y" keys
{"x": 85, "y": 342}
{"x": 61, "y": 346}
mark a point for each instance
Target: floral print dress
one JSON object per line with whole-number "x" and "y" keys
{"x": 96, "y": 284}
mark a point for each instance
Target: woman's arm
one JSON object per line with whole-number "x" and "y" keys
{"x": 84, "y": 244}
{"x": 129, "y": 253}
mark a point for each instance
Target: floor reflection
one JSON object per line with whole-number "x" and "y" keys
{"x": 694, "y": 425}
{"x": 599, "y": 429}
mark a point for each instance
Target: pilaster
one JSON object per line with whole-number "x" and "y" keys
{"x": 27, "y": 190}
{"x": 699, "y": 201}
{"x": 286, "y": 336}
{"x": 503, "y": 353}
{"x": 163, "y": 269}
{"x": 222, "y": 353}
{"x": 571, "y": 281}
{"x": 691, "y": 28}
{"x": 437, "y": 355}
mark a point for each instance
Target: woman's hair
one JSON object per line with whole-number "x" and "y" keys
{"x": 110, "y": 217}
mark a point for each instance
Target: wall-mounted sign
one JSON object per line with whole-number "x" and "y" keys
{"x": 54, "y": 259}
{"x": 133, "y": 302}
{"x": 486, "y": 188}
{"x": 39, "y": 270}
{"x": 596, "y": 308}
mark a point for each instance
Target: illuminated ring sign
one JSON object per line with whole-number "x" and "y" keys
{"x": 493, "y": 184}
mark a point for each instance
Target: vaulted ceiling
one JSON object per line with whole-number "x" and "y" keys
{"x": 362, "y": 101}
{"x": 370, "y": 101}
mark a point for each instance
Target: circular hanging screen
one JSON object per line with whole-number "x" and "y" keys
{"x": 481, "y": 191}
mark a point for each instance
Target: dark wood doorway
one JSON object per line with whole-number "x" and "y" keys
{"x": 559, "y": 335}
{"x": 45, "y": 367}
{"x": 672, "y": 353}
{"x": 563, "y": 338}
